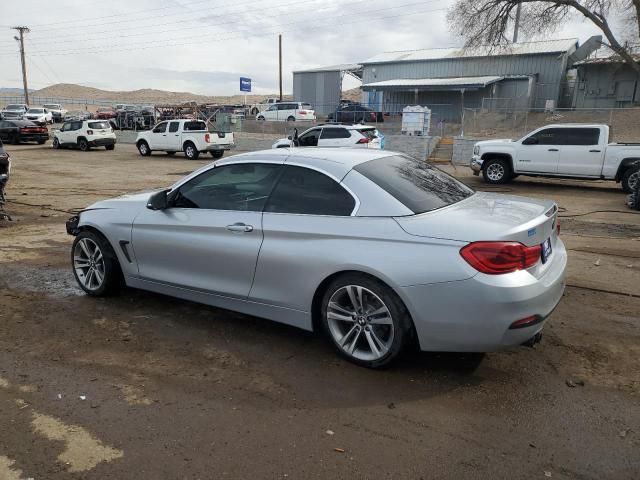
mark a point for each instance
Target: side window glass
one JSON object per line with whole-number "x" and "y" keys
{"x": 304, "y": 191}
{"x": 160, "y": 128}
{"x": 582, "y": 136}
{"x": 309, "y": 139}
{"x": 173, "y": 127}
{"x": 76, "y": 126}
{"x": 550, "y": 136}
{"x": 244, "y": 187}
{"x": 335, "y": 133}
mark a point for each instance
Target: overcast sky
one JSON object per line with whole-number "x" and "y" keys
{"x": 204, "y": 46}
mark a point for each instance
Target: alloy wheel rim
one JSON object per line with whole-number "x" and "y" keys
{"x": 495, "y": 171}
{"x": 360, "y": 323}
{"x": 190, "y": 151}
{"x": 88, "y": 263}
{"x": 634, "y": 178}
{"x": 143, "y": 148}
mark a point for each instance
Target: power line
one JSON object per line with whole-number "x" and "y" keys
{"x": 242, "y": 34}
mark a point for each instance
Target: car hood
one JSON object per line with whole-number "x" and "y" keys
{"x": 486, "y": 216}
{"x": 496, "y": 141}
{"x": 130, "y": 200}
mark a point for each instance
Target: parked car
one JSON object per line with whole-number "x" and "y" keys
{"x": 39, "y": 116}
{"x": 77, "y": 115}
{"x": 105, "y": 113}
{"x": 14, "y": 111}
{"x": 189, "y": 136}
{"x": 288, "y": 112}
{"x": 334, "y": 135}
{"x": 20, "y": 131}
{"x": 85, "y": 134}
{"x": 57, "y": 111}
{"x": 354, "y": 112}
{"x": 561, "y": 150}
{"x": 374, "y": 248}
{"x": 256, "y": 108}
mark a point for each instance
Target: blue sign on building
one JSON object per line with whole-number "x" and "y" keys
{"x": 245, "y": 84}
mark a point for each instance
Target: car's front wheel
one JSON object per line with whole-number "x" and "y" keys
{"x": 630, "y": 179}
{"x": 496, "y": 171}
{"x": 56, "y": 143}
{"x": 366, "y": 321}
{"x": 95, "y": 265}
{"x": 143, "y": 148}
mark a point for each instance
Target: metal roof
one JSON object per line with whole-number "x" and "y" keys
{"x": 454, "y": 83}
{"x": 526, "y": 48}
{"x": 606, "y": 60}
{"x": 345, "y": 67}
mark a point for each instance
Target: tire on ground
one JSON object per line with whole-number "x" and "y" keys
{"x": 496, "y": 171}
{"x": 113, "y": 278}
{"x": 630, "y": 178}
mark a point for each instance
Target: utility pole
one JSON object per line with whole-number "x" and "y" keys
{"x": 280, "y": 62}
{"x": 22, "y": 31}
{"x": 517, "y": 25}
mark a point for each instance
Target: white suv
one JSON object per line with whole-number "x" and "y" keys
{"x": 85, "y": 134}
{"x": 288, "y": 112}
{"x": 336, "y": 135}
{"x": 38, "y": 115}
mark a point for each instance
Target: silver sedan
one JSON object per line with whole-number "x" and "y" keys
{"x": 374, "y": 248}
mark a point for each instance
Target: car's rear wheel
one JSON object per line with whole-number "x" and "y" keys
{"x": 630, "y": 179}
{"x": 291, "y": 119}
{"x": 143, "y": 148}
{"x": 110, "y": 147}
{"x": 95, "y": 265}
{"x": 496, "y": 171}
{"x": 190, "y": 151}
{"x": 366, "y": 321}
{"x": 217, "y": 153}
{"x": 83, "y": 145}
{"x": 56, "y": 143}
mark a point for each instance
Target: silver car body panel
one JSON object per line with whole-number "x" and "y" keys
{"x": 275, "y": 270}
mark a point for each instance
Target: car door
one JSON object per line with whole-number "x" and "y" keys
{"x": 539, "y": 152}
{"x": 283, "y": 111}
{"x": 309, "y": 138}
{"x": 336, "y": 137}
{"x": 304, "y": 213}
{"x": 174, "y": 137}
{"x": 271, "y": 113}
{"x": 158, "y": 137}
{"x": 582, "y": 152}
{"x": 209, "y": 237}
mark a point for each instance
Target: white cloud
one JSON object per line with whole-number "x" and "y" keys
{"x": 203, "y": 46}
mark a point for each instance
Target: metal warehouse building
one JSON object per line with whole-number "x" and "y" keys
{"x": 518, "y": 76}
{"x": 606, "y": 83}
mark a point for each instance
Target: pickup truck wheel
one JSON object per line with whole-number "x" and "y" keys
{"x": 190, "y": 151}
{"x": 496, "y": 171}
{"x": 83, "y": 145}
{"x": 143, "y": 148}
{"x": 217, "y": 153}
{"x": 254, "y": 111}
{"x": 630, "y": 179}
{"x": 56, "y": 143}
{"x": 291, "y": 119}
{"x": 260, "y": 118}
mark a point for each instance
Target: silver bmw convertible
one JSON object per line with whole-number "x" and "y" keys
{"x": 376, "y": 249}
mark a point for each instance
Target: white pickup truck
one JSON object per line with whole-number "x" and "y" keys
{"x": 256, "y": 108}
{"x": 562, "y": 150}
{"x": 189, "y": 136}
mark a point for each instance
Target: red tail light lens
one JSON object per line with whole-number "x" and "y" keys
{"x": 495, "y": 258}
{"x": 363, "y": 140}
{"x": 206, "y": 137}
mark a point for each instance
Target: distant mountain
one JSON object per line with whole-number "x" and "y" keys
{"x": 12, "y": 91}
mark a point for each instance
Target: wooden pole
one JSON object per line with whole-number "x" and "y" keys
{"x": 20, "y": 39}
{"x": 280, "y": 62}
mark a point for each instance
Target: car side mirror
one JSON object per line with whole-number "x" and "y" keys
{"x": 530, "y": 141}
{"x": 158, "y": 201}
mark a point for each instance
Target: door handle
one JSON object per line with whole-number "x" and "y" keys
{"x": 240, "y": 227}
{"x": 594, "y": 151}
{"x": 553, "y": 149}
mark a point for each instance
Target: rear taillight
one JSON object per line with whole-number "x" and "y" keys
{"x": 495, "y": 258}
{"x": 363, "y": 140}
{"x": 89, "y": 132}
{"x": 206, "y": 137}
{"x": 302, "y": 112}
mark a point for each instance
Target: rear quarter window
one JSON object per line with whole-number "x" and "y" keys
{"x": 417, "y": 185}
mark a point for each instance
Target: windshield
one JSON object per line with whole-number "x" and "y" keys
{"x": 52, "y": 107}
{"x": 418, "y": 185}
{"x": 15, "y": 107}
{"x": 35, "y": 110}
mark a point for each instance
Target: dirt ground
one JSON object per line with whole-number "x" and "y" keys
{"x": 142, "y": 386}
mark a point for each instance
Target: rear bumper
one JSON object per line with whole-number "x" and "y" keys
{"x": 475, "y": 315}
{"x": 213, "y": 147}
{"x": 102, "y": 142}
{"x": 34, "y": 137}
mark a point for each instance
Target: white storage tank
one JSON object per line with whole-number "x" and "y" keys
{"x": 416, "y": 120}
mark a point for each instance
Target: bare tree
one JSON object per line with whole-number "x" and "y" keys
{"x": 487, "y": 22}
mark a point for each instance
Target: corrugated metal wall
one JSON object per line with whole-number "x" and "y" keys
{"x": 549, "y": 69}
{"x": 606, "y": 86}
{"x": 320, "y": 89}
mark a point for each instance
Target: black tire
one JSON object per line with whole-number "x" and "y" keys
{"x": 400, "y": 319}
{"x": 190, "y": 151}
{"x": 291, "y": 119}
{"x": 255, "y": 111}
{"x": 41, "y": 142}
{"x": 217, "y": 154}
{"x": 15, "y": 139}
{"x": 143, "y": 148}
{"x": 83, "y": 145}
{"x": 112, "y": 279}
{"x": 110, "y": 147}
{"x": 260, "y": 118}
{"x": 630, "y": 178}
{"x": 496, "y": 171}
{"x": 170, "y": 154}
{"x": 55, "y": 143}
